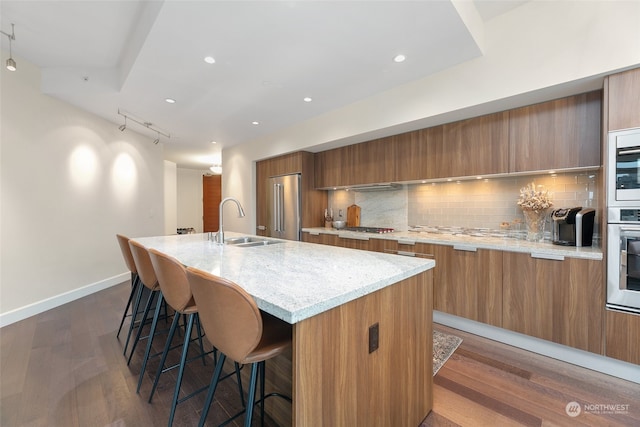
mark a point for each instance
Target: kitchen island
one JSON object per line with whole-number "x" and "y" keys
{"x": 362, "y": 325}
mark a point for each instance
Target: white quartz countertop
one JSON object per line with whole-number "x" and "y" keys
{"x": 541, "y": 249}
{"x": 292, "y": 280}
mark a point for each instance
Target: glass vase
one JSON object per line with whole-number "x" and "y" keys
{"x": 534, "y": 221}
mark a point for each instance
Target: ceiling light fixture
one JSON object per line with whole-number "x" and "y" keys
{"x": 209, "y": 60}
{"x": 307, "y": 99}
{"x": 11, "y": 64}
{"x": 217, "y": 169}
{"x": 170, "y": 100}
{"x": 399, "y": 58}
{"x": 144, "y": 123}
{"x": 255, "y": 123}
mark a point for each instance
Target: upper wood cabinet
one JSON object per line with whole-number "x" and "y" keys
{"x": 623, "y": 100}
{"x": 559, "y": 134}
{"x": 559, "y": 301}
{"x": 477, "y": 146}
{"x": 313, "y": 201}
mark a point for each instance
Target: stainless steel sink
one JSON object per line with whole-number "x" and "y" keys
{"x": 249, "y": 241}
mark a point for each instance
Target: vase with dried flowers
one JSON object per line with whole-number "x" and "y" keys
{"x": 534, "y": 202}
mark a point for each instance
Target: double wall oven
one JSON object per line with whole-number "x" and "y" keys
{"x": 623, "y": 227}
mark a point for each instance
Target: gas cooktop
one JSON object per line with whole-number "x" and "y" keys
{"x": 378, "y": 230}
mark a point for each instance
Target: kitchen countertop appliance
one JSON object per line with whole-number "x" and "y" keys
{"x": 572, "y": 226}
{"x": 283, "y": 207}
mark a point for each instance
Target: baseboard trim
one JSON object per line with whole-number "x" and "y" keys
{"x": 606, "y": 365}
{"x": 58, "y": 300}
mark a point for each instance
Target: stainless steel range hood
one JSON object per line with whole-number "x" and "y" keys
{"x": 376, "y": 187}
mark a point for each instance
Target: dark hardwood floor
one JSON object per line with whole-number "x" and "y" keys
{"x": 65, "y": 368}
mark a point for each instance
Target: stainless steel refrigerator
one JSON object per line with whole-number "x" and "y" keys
{"x": 284, "y": 207}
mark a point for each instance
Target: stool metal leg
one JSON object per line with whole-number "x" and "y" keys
{"x": 134, "y": 291}
{"x": 150, "y": 340}
{"x": 134, "y": 314}
{"x": 212, "y": 389}
{"x": 167, "y": 346}
{"x": 183, "y": 361}
{"x": 252, "y": 395}
{"x": 147, "y": 307}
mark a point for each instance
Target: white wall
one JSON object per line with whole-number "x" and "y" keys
{"x": 170, "y": 197}
{"x": 69, "y": 182}
{"x": 539, "y": 51}
{"x": 189, "y": 199}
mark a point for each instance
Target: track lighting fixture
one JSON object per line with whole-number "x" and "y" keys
{"x": 11, "y": 64}
{"x": 144, "y": 123}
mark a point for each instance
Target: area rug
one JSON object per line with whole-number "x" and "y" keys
{"x": 443, "y": 347}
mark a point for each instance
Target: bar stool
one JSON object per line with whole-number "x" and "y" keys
{"x": 148, "y": 279}
{"x": 176, "y": 291}
{"x": 123, "y": 241}
{"x": 239, "y": 330}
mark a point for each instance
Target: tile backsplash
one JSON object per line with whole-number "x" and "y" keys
{"x": 473, "y": 203}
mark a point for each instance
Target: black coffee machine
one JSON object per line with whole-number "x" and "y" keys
{"x": 572, "y": 226}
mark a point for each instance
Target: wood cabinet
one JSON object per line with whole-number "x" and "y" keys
{"x": 622, "y": 92}
{"x": 559, "y": 301}
{"x": 477, "y": 146}
{"x": 468, "y": 283}
{"x": 559, "y": 134}
{"x": 622, "y": 336}
{"x": 313, "y": 201}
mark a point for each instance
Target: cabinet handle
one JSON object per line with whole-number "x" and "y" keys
{"x": 547, "y": 256}
{"x": 407, "y": 242}
{"x": 407, "y": 253}
{"x": 465, "y": 248}
{"x": 342, "y": 236}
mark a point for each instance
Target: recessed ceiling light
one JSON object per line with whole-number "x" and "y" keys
{"x": 307, "y": 99}
{"x": 255, "y": 123}
{"x": 399, "y": 58}
{"x": 209, "y": 60}
{"x": 214, "y": 142}
{"x": 170, "y": 100}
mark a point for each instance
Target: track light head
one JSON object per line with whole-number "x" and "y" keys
{"x": 155, "y": 141}
{"x": 11, "y": 63}
{"x": 122, "y": 127}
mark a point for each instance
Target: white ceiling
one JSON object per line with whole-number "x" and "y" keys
{"x": 105, "y": 56}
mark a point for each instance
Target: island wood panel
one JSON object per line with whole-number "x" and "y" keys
{"x": 476, "y": 146}
{"x": 313, "y": 201}
{"x": 469, "y": 284}
{"x": 337, "y": 382}
{"x": 559, "y": 301}
{"x": 624, "y": 100}
{"x": 622, "y": 336}
{"x": 564, "y": 133}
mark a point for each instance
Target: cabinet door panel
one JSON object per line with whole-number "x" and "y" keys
{"x": 623, "y": 336}
{"x": 469, "y": 284}
{"x": 564, "y": 133}
{"x": 559, "y": 301}
{"x": 477, "y": 146}
{"x": 624, "y": 100}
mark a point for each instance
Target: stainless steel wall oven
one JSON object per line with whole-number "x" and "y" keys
{"x": 623, "y": 261}
{"x": 623, "y": 168}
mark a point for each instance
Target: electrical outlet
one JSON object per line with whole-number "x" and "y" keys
{"x": 374, "y": 337}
